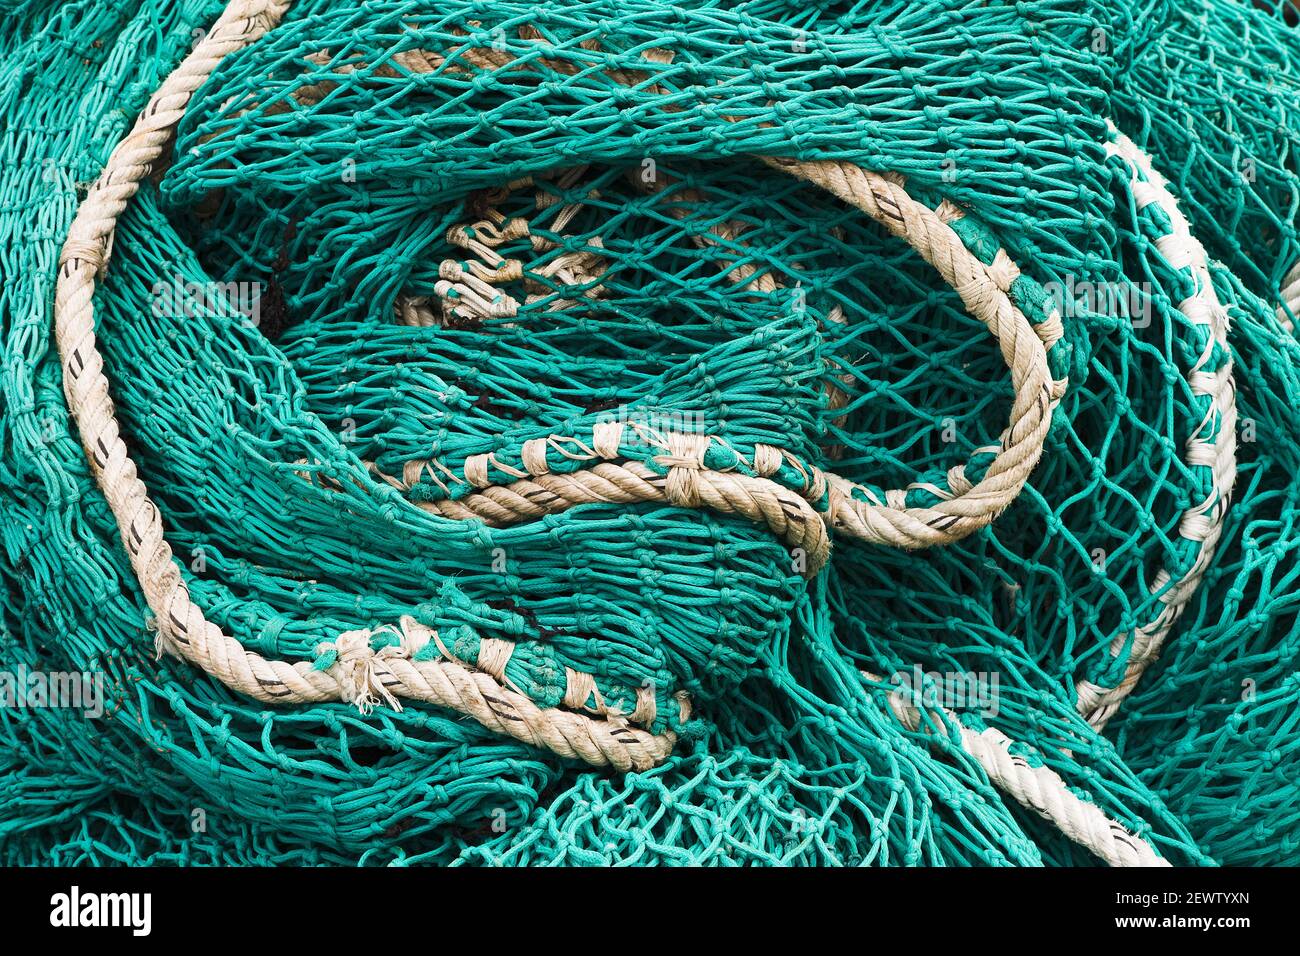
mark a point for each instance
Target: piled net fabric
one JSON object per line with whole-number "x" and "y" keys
{"x": 480, "y": 233}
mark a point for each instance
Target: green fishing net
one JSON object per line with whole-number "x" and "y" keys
{"x": 393, "y": 246}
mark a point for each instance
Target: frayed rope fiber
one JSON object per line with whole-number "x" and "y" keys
{"x": 650, "y": 433}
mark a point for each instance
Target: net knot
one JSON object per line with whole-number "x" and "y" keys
{"x": 684, "y": 460}
{"x": 359, "y": 669}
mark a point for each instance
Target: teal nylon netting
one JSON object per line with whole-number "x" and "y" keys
{"x": 468, "y": 226}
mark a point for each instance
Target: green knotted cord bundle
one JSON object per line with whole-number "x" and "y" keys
{"x": 407, "y": 275}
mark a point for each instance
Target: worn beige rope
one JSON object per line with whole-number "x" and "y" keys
{"x": 984, "y": 291}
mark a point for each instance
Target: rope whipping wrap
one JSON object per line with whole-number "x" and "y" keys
{"x": 662, "y": 404}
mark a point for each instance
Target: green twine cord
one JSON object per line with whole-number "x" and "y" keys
{"x": 319, "y": 167}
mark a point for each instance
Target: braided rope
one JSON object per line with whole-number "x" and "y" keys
{"x": 1039, "y": 789}
{"x": 1212, "y": 444}
{"x": 983, "y": 290}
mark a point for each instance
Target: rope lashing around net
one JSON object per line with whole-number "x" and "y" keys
{"x": 684, "y": 482}
{"x": 1211, "y": 448}
{"x": 1036, "y": 788}
{"x": 366, "y": 685}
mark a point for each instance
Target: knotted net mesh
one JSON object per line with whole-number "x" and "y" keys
{"x": 518, "y": 338}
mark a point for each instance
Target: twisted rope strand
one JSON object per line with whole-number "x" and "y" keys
{"x": 1212, "y": 444}
{"x": 1024, "y": 351}
{"x": 1039, "y": 789}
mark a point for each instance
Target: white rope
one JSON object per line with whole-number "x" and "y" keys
{"x": 1290, "y": 295}
{"x": 1212, "y": 444}
{"x": 1039, "y": 789}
